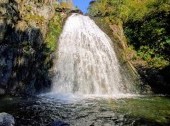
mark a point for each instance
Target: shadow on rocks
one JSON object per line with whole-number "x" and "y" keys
{"x": 59, "y": 123}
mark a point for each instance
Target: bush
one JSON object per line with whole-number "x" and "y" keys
{"x": 146, "y": 25}
{"x": 55, "y": 27}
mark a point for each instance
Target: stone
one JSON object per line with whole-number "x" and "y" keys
{"x": 2, "y": 91}
{"x": 4, "y": 1}
{"x": 24, "y": 26}
{"x": 59, "y": 123}
{"x": 3, "y": 29}
{"x": 6, "y": 119}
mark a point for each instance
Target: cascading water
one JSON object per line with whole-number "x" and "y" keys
{"x": 87, "y": 63}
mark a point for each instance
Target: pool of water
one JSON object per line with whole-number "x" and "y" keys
{"x": 88, "y": 110}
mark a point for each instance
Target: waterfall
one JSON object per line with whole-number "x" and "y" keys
{"x": 86, "y": 61}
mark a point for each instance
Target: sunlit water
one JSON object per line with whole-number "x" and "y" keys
{"x": 88, "y": 110}
{"x": 87, "y": 63}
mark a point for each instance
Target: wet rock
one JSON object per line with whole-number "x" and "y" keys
{"x": 2, "y": 91}
{"x": 6, "y": 65}
{"x": 59, "y": 123}
{"x": 6, "y": 119}
{"x": 25, "y": 57}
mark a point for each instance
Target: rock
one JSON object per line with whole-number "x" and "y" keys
{"x": 76, "y": 11}
{"x": 3, "y": 30}
{"x": 6, "y": 57}
{"x": 25, "y": 53}
{"x": 6, "y": 119}
{"x": 2, "y": 91}
{"x": 59, "y": 123}
{"x": 4, "y": 1}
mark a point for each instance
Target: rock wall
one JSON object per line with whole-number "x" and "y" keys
{"x": 25, "y": 58}
{"x": 116, "y": 33}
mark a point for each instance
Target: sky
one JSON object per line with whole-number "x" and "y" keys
{"x": 82, "y": 4}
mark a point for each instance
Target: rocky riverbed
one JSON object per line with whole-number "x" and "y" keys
{"x": 88, "y": 110}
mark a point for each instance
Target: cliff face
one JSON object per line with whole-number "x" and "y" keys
{"x": 147, "y": 56}
{"x": 27, "y": 42}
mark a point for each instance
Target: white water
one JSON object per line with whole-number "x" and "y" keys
{"x": 86, "y": 63}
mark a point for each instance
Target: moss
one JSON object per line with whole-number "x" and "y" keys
{"x": 156, "y": 109}
{"x": 55, "y": 27}
{"x": 32, "y": 17}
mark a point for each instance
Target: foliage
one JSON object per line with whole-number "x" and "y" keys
{"x": 103, "y": 8}
{"x": 31, "y": 17}
{"x": 55, "y": 26}
{"x": 67, "y": 5}
{"x": 128, "y": 9}
{"x": 146, "y": 25}
{"x": 151, "y": 38}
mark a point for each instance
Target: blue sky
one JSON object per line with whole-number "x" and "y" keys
{"x": 82, "y": 4}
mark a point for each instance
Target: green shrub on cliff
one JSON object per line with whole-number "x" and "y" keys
{"x": 55, "y": 27}
{"x": 34, "y": 18}
{"x": 150, "y": 37}
{"x": 146, "y": 25}
{"x": 67, "y": 5}
{"x": 127, "y": 9}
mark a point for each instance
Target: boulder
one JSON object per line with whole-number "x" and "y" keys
{"x": 6, "y": 119}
